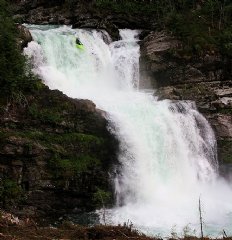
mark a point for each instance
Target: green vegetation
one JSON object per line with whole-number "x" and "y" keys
{"x": 227, "y": 111}
{"x": 13, "y": 75}
{"x": 205, "y": 27}
{"x": 10, "y": 192}
{"x": 73, "y": 161}
{"x": 202, "y": 25}
{"x": 71, "y": 167}
{"x": 49, "y": 138}
{"x": 134, "y": 7}
{"x": 45, "y": 115}
{"x": 101, "y": 197}
{"x": 78, "y": 149}
{"x": 71, "y": 153}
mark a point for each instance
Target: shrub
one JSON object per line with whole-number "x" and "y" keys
{"x": 13, "y": 77}
{"x": 101, "y": 197}
{"x": 10, "y": 192}
{"x": 201, "y": 25}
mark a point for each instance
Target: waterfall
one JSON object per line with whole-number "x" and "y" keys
{"x": 167, "y": 152}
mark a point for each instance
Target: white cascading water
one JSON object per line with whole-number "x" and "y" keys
{"x": 167, "y": 150}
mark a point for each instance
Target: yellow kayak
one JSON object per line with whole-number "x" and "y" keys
{"x": 80, "y": 46}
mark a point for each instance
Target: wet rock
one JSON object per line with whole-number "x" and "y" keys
{"x": 162, "y": 58}
{"x": 24, "y": 36}
{"x": 223, "y": 125}
{"x": 223, "y": 103}
{"x": 157, "y": 42}
{"x": 224, "y": 92}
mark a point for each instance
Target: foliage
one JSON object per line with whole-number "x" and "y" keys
{"x": 201, "y": 25}
{"x": 225, "y": 41}
{"x": 73, "y": 169}
{"x": 44, "y": 138}
{"x": 10, "y": 192}
{"x": 134, "y": 7}
{"x": 45, "y": 115}
{"x": 204, "y": 28}
{"x": 13, "y": 76}
{"x": 101, "y": 197}
{"x": 72, "y": 166}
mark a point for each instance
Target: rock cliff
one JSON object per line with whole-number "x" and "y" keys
{"x": 80, "y": 14}
{"x": 205, "y": 79}
{"x": 55, "y": 155}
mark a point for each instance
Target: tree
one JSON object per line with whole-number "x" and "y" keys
{"x": 12, "y": 63}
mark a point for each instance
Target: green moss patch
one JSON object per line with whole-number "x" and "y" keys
{"x": 74, "y": 166}
{"x": 10, "y": 192}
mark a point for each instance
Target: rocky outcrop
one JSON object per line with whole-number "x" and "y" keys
{"x": 77, "y": 13}
{"x": 205, "y": 79}
{"x": 24, "y": 36}
{"x": 80, "y": 14}
{"x": 56, "y": 155}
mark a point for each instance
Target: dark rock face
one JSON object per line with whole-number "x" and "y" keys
{"x": 80, "y": 14}
{"x": 24, "y": 36}
{"x": 56, "y": 154}
{"x": 204, "y": 79}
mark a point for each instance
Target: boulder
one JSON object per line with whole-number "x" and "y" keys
{"x": 24, "y": 36}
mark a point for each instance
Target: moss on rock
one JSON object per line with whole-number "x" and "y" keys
{"x": 58, "y": 146}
